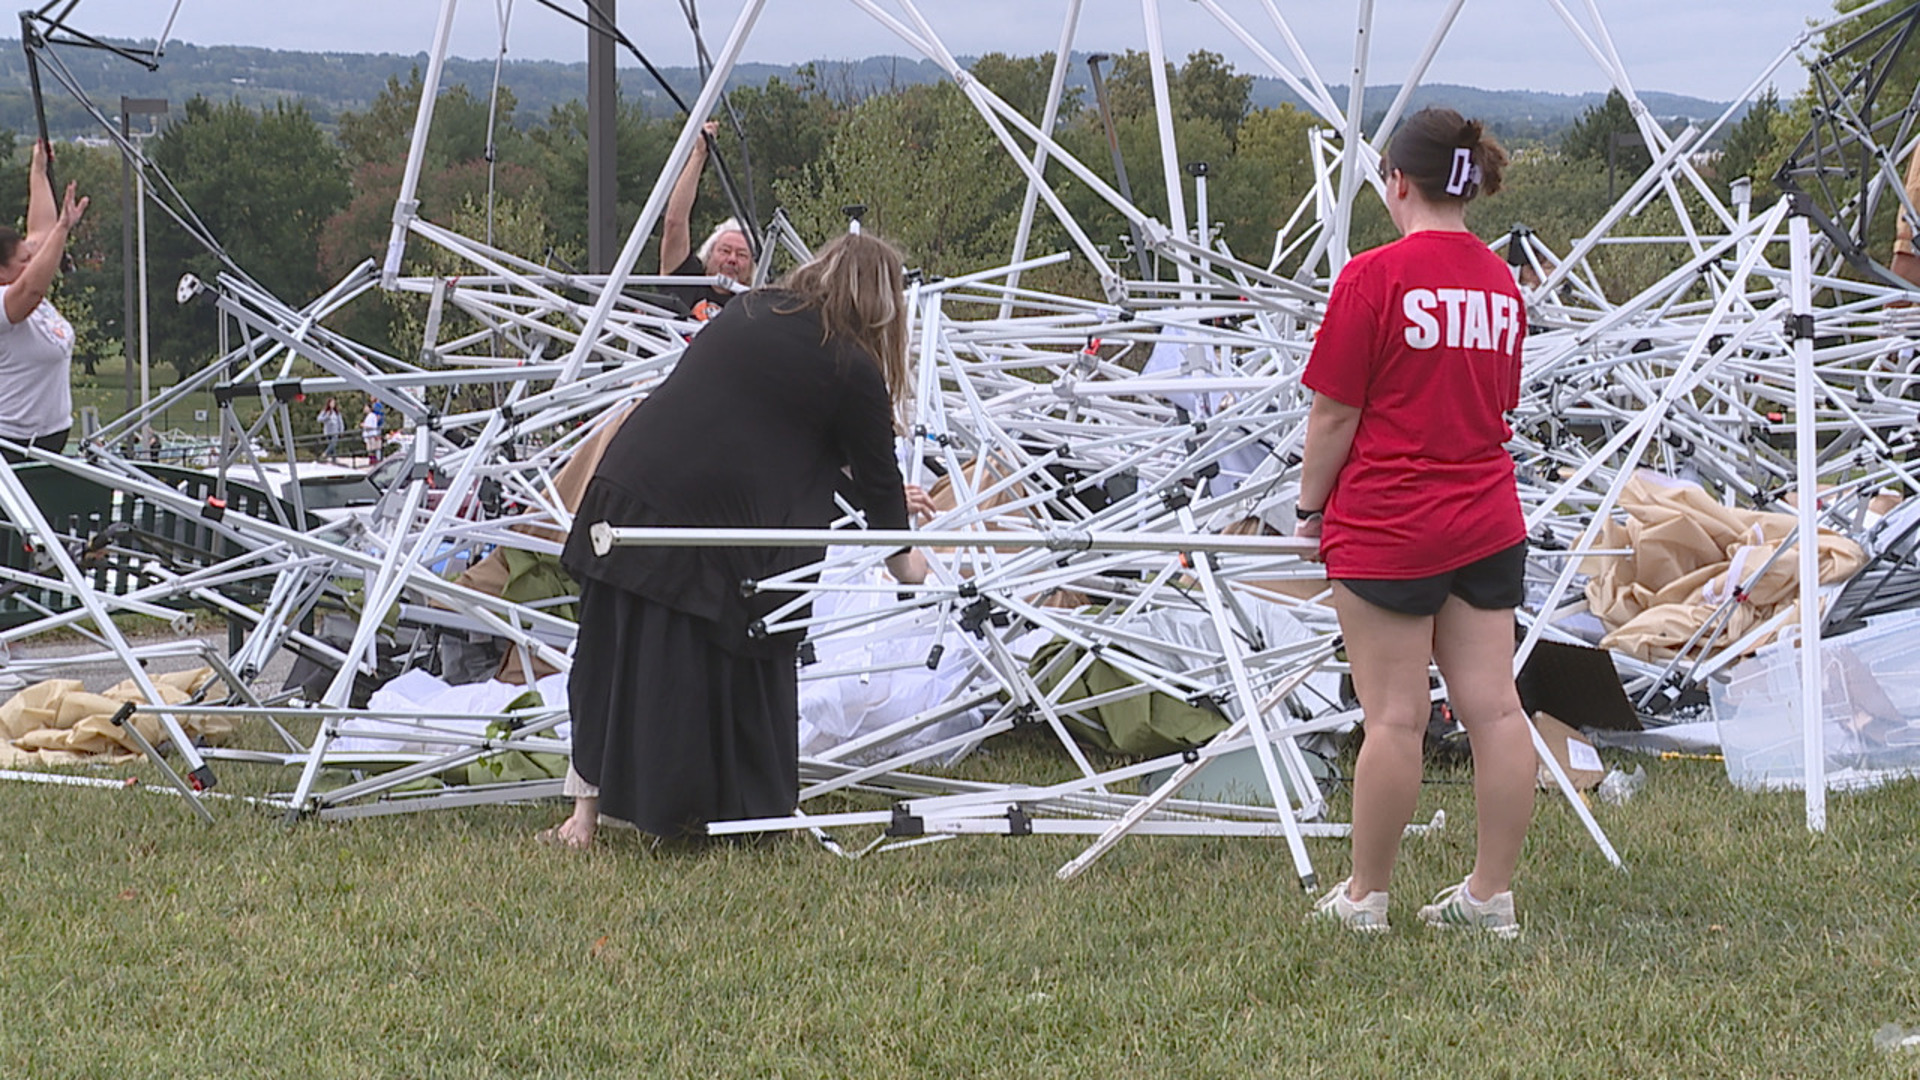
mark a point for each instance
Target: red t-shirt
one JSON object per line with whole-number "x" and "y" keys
{"x": 1423, "y": 336}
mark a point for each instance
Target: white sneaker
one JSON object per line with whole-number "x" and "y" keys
{"x": 1367, "y": 915}
{"x": 1453, "y": 909}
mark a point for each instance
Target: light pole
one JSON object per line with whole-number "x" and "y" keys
{"x": 133, "y": 202}
{"x": 603, "y": 104}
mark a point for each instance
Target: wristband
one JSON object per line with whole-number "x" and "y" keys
{"x": 1303, "y": 513}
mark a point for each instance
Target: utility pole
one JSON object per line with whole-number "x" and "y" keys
{"x": 603, "y": 103}
{"x": 133, "y": 314}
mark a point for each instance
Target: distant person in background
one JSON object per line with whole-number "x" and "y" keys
{"x": 370, "y": 434}
{"x": 332, "y": 426}
{"x": 36, "y": 343}
{"x": 725, "y": 251}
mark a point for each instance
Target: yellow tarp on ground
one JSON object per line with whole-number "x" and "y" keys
{"x": 59, "y": 721}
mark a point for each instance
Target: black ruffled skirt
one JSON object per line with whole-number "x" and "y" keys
{"x": 676, "y": 730}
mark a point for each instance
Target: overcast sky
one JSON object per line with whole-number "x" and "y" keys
{"x": 1708, "y": 48}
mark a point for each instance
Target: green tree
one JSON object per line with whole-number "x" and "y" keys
{"x": 1756, "y": 146}
{"x": 458, "y": 167}
{"x": 1138, "y": 136}
{"x": 463, "y": 127}
{"x": 1591, "y": 138}
{"x": 788, "y": 126}
{"x": 1205, "y": 89}
{"x": 641, "y": 147}
{"x": 89, "y": 294}
{"x": 1023, "y": 81}
{"x": 1258, "y": 186}
{"x": 265, "y": 183}
{"x": 932, "y": 176}
{"x": 1209, "y": 91}
{"x": 1902, "y": 69}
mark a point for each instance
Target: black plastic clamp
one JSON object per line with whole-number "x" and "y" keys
{"x": 1018, "y": 823}
{"x": 905, "y": 824}
{"x": 975, "y": 615}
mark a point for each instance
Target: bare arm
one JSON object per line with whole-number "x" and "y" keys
{"x": 676, "y": 224}
{"x": 1330, "y": 428}
{"x": 41, "y": 213}
{"x": 31, "y": 286}
{"x": 908, "y": 567}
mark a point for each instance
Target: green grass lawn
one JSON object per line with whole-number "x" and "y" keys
{"x": 105, "y": 392}
{"x": 136, "y": 942}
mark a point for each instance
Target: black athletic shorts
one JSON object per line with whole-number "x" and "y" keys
{"x": 1495, "y": 583}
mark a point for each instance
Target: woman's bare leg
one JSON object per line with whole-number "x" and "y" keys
{"x": 1474, "y": 649}
{"x": 1388, "y": 652}
{"x": 577, "y": 830}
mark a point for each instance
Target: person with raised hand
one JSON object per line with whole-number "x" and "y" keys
{"x": 724, "y": 253}
{"x": 36, "y": 341}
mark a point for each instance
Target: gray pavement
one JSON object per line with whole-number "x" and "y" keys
{"x": 98, "y": 669}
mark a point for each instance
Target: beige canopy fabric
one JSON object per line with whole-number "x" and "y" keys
{"x": 1690, "y": 554}
{"x": 59, "y": 722}
{"x": 493, "y": 574}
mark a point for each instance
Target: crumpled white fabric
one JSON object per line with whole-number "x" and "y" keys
{"x": 420, "y": 691}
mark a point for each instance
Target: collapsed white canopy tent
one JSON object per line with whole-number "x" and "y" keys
{"x": 1090, "y": 491}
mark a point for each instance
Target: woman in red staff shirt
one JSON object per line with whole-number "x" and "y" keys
{"x": 1408, "y": 485}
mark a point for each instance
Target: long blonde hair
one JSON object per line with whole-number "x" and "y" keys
{"x": 857, "y": 285}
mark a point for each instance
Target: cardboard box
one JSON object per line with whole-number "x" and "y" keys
{"x": 1571, "y": 749}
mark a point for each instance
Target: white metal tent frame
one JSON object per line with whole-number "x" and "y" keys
{"x": 1031, "y": 428}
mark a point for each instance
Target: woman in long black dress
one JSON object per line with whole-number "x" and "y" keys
{"x": 683, "y": 712}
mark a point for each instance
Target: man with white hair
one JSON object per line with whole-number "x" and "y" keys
{"x": 725, "y": 252}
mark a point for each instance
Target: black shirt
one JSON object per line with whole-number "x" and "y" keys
{"x": 702, "y": 301}
{"x": 752, "y": 429}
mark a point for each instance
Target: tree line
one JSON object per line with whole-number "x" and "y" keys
{"x": 298, "y": 206}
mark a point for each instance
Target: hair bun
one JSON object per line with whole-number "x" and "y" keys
{"x": 1470, "y": 133}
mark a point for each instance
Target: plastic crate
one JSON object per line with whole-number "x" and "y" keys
{"x": 1870, "y": 706}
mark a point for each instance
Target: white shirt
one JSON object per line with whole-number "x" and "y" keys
{"x": 36, "y": 372}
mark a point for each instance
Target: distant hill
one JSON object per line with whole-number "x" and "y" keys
{"x": 332, "y": 83}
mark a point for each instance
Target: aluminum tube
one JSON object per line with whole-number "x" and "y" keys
{"x": 407, "y": 205}
{"x": 1812, "y": 719}
{"x": 1056, "y": 88}
{"x": 607, "y": 537}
